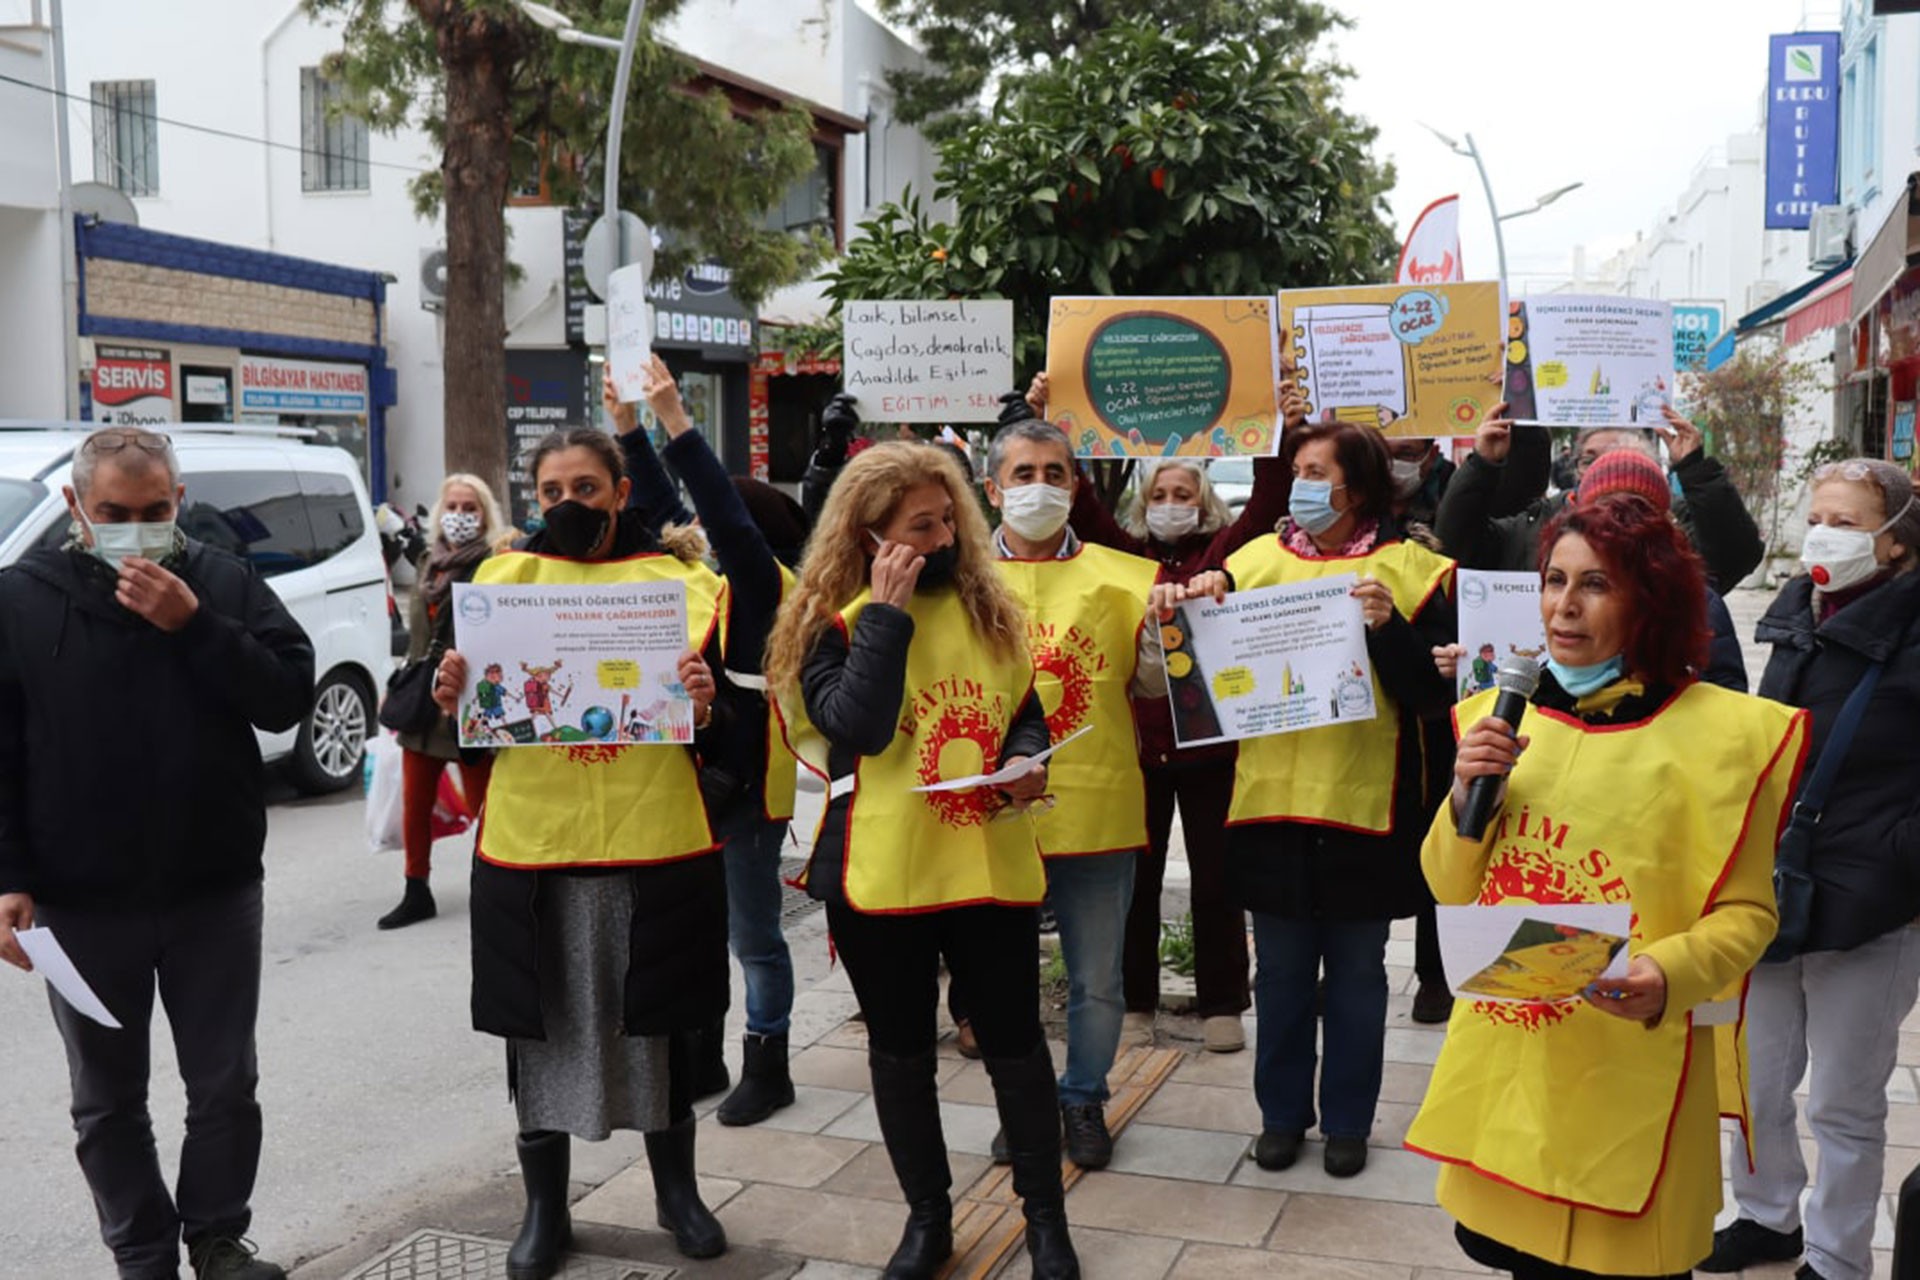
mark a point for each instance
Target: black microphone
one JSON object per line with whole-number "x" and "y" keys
{"x": 1516, "y": 679}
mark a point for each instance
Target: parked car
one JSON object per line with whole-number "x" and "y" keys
{"x": 300, "y": 513}
{"x": 1233, "y": 480}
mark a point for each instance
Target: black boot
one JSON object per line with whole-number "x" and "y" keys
{"x": 1029, "y": 1107}
{"x": 416, "y": 904}
{"x": 907, "y": 1101}
{"x": 696, "y": 1232}
{"x": 707, "y": 1048}
{"x": 765, "y": 1086}
{"x": 546, "y": 1231}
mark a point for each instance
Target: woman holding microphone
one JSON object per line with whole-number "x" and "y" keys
{"x": 599, "y": 904}
{"x": 900, "y": 660}
{"x": 1580, "y": 1139}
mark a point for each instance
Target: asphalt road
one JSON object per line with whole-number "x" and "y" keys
{"x": 377, "y": 1095}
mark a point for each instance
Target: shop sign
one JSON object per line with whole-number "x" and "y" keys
{"x": 1803, "y": 127}
{"x": 273, "y": 386}
{"x": 132, "y": 386}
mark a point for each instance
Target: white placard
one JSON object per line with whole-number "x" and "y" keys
{"x": 928, "y": 361}
{"x": 1599, "y": 361}
{"x": 566, "y": 665}
{"x": 629, "y": 330}
{"x": 1000, "y": 777}
{"x": 1269, "y": 660}
{"x": 50, "y": 961}
{"x": 1530, "y": 953}
{"x": 1499, "y": 620}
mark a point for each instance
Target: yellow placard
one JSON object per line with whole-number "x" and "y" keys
{"x": 1234, "y": 682}
{"x": 1413, "y": 360}
{"x": 619, "y": 673}
{"x": 1158, "y": 377}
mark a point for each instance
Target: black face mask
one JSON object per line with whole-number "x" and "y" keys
{"x": 937, "y": 571}
{"x": 574, "y": 529}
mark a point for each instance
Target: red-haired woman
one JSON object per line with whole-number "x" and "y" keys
{"x": 1580, "y": 1139}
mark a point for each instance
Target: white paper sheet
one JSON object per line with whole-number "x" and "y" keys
{"x": 50, "y": 961}
{"x": 1000, "y": 777}
{"x": 1484, "y": 959}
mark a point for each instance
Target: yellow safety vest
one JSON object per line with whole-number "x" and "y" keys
{"x": 1084, "y": 615}
{"x": 779, "y": 785}
{"x": 595, "y": 804}
{"x": 909, "y": 851}
{"x": 1337, "y": 775}
{"x": 1563, "y": 1101}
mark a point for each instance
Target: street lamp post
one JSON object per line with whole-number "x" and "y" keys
{"x": 1472, "y": 152}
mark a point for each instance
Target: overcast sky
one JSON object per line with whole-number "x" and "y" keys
{"x": 1625, "y": 97}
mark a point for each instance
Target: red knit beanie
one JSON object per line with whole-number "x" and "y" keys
{"x": 1625, "y": 471}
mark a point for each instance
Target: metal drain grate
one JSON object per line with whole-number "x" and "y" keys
{"x": 794, "y": 903}
{"x": 442, "y": 1255}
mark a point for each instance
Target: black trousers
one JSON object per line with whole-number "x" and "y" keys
{"x": 203, "y": 956}
{"x": 894, "y": 963}
{"x": 1489, "y": 1252}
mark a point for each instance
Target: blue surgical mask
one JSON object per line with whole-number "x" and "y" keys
{"x": 1311, "y": 505}
{"x": 1581, "y": 681}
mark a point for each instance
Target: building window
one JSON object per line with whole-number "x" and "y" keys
{"x": 1860, "y": 116}
{"x": 126, "y": 136}
{"x": 333, "y": 143}
{"x": 814, "y": 201}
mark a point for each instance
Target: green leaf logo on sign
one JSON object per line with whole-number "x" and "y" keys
{"x": 1159, "y": 377}
{"x": 1803, "y": 61}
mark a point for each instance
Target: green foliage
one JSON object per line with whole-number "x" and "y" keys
{"x": 688, "y": 161}
{"x": 1154, "y": 163}
{"x": 1742, "y": 407}
{"x": 1176, "y": 945}
{"x": 971, "y": 43}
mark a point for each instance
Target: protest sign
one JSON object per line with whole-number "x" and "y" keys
{"x": 1578, "y": 361}
{"x": 564, "y": 664}
{"x": 1412, "y": 360}
{"x": 1147, "y": 377}
{"x": 1269, "y": 660}
{"x": 629, "y": 331}
{"x": 1499, "y": 620}
{"x": 928, "y": 361}
{"x": 1529, "y": 953}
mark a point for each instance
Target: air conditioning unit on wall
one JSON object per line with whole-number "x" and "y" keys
{"x": 1761, "y": 292}
{"x": 433, "y": 279}
{"x": 1830, "y": 236}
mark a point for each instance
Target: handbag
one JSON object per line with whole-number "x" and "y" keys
{"x": 1793, "y": 887}
{"x": 409, "y": 706}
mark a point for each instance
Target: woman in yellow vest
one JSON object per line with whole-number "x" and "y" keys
{"x": 1581, "y": 1138}
{"x": 1325, "y": 823}
{"x": 899, "y": 661}
{"x": 599, "y": 906}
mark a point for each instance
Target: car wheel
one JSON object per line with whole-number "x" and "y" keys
{"x": 333, "y": 739}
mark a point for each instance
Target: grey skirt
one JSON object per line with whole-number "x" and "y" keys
{"x": 588, "y": 1078}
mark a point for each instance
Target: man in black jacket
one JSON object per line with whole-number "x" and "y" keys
{"x": 134, "y": 666}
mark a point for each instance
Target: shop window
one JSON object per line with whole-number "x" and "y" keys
{"x": 126, "y": 136}
{"x": 333, "y": 143}
{"x": 813, "y": 203}
{"x": 258, "y": 515}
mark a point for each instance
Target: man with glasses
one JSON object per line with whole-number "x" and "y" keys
{"x": 135, "y": 664}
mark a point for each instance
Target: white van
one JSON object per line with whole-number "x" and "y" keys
{"x": 299, "y": 512}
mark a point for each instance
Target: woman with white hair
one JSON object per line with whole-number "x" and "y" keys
{"x": 1836, "y": 1003}
{"x": 463, "y": 525}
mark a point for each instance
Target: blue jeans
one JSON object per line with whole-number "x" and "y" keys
{"x": 1290, "y": 954}
{"x": 1090, "y": 897}
{"x": 752, "y": 852}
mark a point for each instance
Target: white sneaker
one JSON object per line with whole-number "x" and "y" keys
{"x": 1223, "y": 1033}
{"x": 1136, "y": 1031}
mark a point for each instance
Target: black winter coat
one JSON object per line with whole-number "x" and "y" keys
{"x": 1866, "y": 850}
{"x": 1303, "y": 871}
{"x": 853, "y": 693}
{"x": 129, "y": 771}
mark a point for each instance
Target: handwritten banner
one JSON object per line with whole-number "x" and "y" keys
{"x": 629, "y": 330}
{"x": 928, "y": 361}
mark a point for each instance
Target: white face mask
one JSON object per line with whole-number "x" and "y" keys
{"x": 1407, "y": 477}
{"x": 1837, "y": 558}
{"x": 1172, "y": 521}
{"x": 460, "y": 527}
{"x": 112, "y": 543}
{"x": 1035, "y": 511}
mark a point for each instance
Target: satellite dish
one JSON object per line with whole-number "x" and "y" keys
{"x": 103, "y": 203}
{"x": 596, "y": 251}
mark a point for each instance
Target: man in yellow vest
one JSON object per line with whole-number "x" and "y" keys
{"x": 1086, "y": 611}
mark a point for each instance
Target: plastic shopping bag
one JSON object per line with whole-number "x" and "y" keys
{"x": 386, "y": 809}
{"x": 451, "y": 816}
